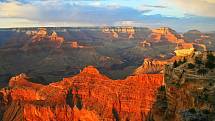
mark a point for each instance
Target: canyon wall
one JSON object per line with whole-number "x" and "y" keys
{"x": 188, "y": 94}
{"x": 150, "y": 66}
{"x": 85, "y": 97}
{"x": 165, "y": 33}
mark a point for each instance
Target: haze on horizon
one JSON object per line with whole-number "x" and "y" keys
{"x": 181, "y": 15}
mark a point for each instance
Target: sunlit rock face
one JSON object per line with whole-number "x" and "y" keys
{"x": 165, "y": 33}
{"x": 42, "y": 35}
{"x": 184, "y": 52}
{"x": 184, "y": 49}
{"x": 37, "y": 111}
{"x": 150, "y": 66}
{"x": 88, "y": 96}
{"x": 54, "y": 37}
{"x": 155, "y": 66}
{"x": 145, "y": 44}
{"x": 42, "y": 32}
{"x": 116, "y": 31}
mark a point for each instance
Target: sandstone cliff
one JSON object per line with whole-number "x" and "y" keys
{"x": 42, "y": 35}
{"x": 150, "y": 66}
{"x": 153, "y": 66}
{"x": 88, "y": 96}
{"x": 188, "y": 94}
{"x": 165, "y": 34}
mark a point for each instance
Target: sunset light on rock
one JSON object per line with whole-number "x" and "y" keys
{"x": 107, "y": 60}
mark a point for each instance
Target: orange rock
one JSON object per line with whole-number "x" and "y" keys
{"x": 74, "y": 44}
{"x": 165, "y": 33}
{"x": 99, "y": 97}
{"x": 84, "y": 115}
{"x": 150, "y": 66}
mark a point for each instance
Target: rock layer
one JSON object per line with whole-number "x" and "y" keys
{"x": 150, "y": 66}
{"x": 165, "y": 33}
{"x": 86, "y": 96}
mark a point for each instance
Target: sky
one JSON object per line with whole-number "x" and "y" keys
{"x": 181, "y": 15}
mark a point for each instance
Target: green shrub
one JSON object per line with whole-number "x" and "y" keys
{"x": 205, "y": 111}
{"x": 210, "y": 57}
{"x": 202, "y": 71}
{"x": 198, "y": 61}
{"x": 191, "y": 66}
{"x": 177, "y": 85}
{"x": 184, "y": 60}
{"x": 209, "y": 65}
{"x": 162, "y": 88}
{"x": 175, "y": 64}
{"x": 192, "y": 110}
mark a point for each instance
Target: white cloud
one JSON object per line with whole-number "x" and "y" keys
{"x": 195, "y": 7}
{"x": 58, "y": 13}
{"x": 17, "y": 10}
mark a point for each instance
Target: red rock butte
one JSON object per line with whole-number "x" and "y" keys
{"x": 101, "y": 98}
{"x": 165, "y": 33}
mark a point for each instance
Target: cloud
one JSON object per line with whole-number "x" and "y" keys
{"x": 66, "y": 13}
{"x": 195, "y": 7}
{"x": 54, "y": 12}
{"x": 154, "y": 6}
{"x": 16, "y": 10}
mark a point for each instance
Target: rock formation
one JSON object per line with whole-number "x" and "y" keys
{"x": 188, "y": 94}
{"x": 184, "y": 52}
{"x": 54, "y": 37}
{"x": 42, "y": 32}
{"x": 184, "y": 49}
{"x": 74, "y": 44}
{"x": 115, "y": 31}
{"x": 154, "y": 66}
{"x": 165, "y": 34}
{"x": 42, "y": 35}
{"x": 150, "y": 66}
{"x": 88, "y": 96}
{"x": 145, "y": 44}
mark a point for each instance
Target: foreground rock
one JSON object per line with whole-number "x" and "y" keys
{"x": 88, "y": 96}
{"x": 189, "y": 92}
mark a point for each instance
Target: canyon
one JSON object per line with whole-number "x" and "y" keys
{"x": 136, "y": 75}
{"x": 86, "y": 95}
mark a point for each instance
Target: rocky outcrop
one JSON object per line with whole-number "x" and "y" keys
{"x": 154, "y": 66}
{"x": 184, "y": 49}
{"x": 150, "y": 66}
{"x": 74, "y": 44}
{"x": 115, "y": 31}
{"x": 22, "y": 80}
{"x": 86, "y": 96}
{"x": 188, "y": 92}
{"x": 145, "y": 44}
{"x": 165, "y": 34}
{"x": 42, "y": 35}
{"x": 54, "y": 37}
{"x": 184, "y": 52}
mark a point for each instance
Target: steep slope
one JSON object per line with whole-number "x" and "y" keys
{"x": 154, "y": 66}
{"x": 165, "y": 34}
{"x": 188, "y": 94}
{"x": 88, "y": 95}
{"x": 150, "y": 66}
